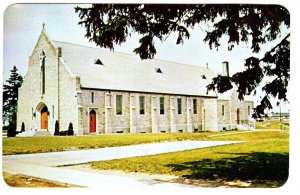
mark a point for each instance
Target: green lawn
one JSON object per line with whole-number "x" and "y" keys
{"x": 24, "y": 145}
{"x": 273, "y": 124}
{"x": 262, "y": 161}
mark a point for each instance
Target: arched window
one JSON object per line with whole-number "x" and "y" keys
{"x": 42, "y": 58}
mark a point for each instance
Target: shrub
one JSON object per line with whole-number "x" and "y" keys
{"x": 56, "y": 130}
{"x": 11, "y": 132}
{"x": 22, "y": 127}
{"x": 70, "y": 129}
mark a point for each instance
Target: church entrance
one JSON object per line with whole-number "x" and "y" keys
{"x": 44, "y": 118}
{"x": 238, "y": 116}
{"x": 92, "y": 121}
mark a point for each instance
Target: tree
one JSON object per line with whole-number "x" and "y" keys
{"x": 10, "y": 97}
{"x": 109, "y": 24}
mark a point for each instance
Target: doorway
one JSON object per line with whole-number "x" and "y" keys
{"x": 238, "y": 116}
{"x": 44, "y": 118}
{"x": 92, "y": 121}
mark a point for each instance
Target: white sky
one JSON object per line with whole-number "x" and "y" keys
{"x": 23, "y": 23}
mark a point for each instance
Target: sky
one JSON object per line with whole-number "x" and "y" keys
{"x": 22, "y": 24}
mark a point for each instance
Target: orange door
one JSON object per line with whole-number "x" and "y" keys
{"x": 44, "y": 118}
{"x": 92, "y": 121}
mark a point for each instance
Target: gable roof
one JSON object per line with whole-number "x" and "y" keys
{"x": 125, "y": 72}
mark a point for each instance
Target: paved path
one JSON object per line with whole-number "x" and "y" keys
{"x": 45, "y": 165}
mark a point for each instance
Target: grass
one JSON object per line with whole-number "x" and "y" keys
{"x": 273, "y": 124}
{"x": 25, "y": 145}
{"x": 262, "y": 161}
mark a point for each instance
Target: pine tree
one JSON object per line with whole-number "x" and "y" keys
{"x": 10, "y": 97}
{"x": 108, "y": 25}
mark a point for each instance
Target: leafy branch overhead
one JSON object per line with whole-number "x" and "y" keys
{"x": 110, "y": 24}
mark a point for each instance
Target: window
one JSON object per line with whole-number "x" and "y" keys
{"x": 158, "y": 70}
{"x": 223, "y": 110}
{"x": 142, "y": 105}
{"x": 203, "y": 76}
{"x": 42, "y": 58}
{"x": 118, "y": 104}
{"x": 249, "y": 110}
{"x": 92, "y": 97}
{"x": 98, "y": 62}
{"x": 52, "y": 111}
{"x": 179, "y": 111}
{"x": 162, "y": 105}
{"x": 195, "y": 106}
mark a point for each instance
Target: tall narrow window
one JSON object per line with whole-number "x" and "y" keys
{"x": 142, "y": 105}
{"x": 179, "y": 110}
{"x": 162, "y": 105}
{"x": 223, "y": 110}
{"x": 118, "y": 104}
{"x": 52, "y": 111}
{"x": 249, "y": 110}
{"x": 92, "y": 97}
{"x": 195, "y": 106}
{"x": 42, "y": 58}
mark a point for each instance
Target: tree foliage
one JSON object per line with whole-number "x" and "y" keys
{"x": 109, "y": 24}
{"x": 10, "y": 97}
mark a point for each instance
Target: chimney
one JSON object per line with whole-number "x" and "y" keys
{"x": 225, "y": 68}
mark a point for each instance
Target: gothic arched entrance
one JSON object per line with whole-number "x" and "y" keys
{"x": 44, "y": 118}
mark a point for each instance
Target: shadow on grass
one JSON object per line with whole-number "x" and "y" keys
{"x": 259, "y": 167}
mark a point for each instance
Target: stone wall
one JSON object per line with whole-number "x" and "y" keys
{"x": 131, "y": 121}
{"x": 31, "y": 99}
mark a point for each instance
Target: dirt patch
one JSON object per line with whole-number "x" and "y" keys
{"x": 16, "y": 180}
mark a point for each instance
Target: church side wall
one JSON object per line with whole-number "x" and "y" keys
{"x": 68, "y": 102}
{"x": 131, "y": 121}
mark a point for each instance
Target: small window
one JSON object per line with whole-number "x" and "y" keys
{"x": 203, "y": 76}
{"x": 92, "y": 97}
{"x": 195, "y": 106}
{"x": 249, "y": 110}
{"x": 158, "y": 70}
{"x": 98, "y": 61}
{"x": 179, "y": 109}
{"x": 162, "y": 105}
{"x": 52, "y": 111}
{"x": 118, "y": 104}
{"x": 223, "y": 110}
{"x": 142, "y": 105}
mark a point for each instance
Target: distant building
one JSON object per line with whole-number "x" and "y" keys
{"x": 101, "y": 91}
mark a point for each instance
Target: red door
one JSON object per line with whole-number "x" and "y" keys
{"x": 92, "y": 121}
{"x": 44, "y": 118}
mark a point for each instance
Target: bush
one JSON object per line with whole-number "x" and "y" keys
{"x": 11, "y": 132}
{"x": 70, "y": 129}
{"x": 22, "y": 127}
{"x": 56, "y": 131}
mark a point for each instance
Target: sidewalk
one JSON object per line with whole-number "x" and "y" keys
{"x": 45, "y": 165}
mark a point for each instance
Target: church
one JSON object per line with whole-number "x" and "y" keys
{"x": 100, "y": 91}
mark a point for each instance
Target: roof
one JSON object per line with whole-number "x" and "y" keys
{"x": 120, "y": 71}
{"x": 233, "y": 92}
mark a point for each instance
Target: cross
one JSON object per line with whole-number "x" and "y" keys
{"x": 43, "y": 25}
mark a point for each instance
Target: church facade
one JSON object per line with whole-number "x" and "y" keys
{"x": 101, "y": 91}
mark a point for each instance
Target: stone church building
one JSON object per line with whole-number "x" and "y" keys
{"x": 100, "y": 91}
